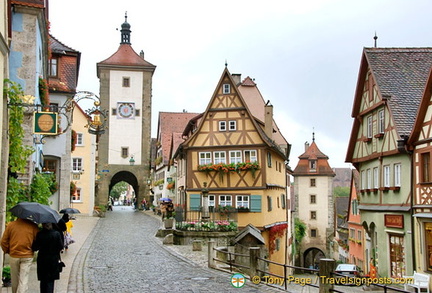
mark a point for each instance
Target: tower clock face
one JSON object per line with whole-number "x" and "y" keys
{"x": 126, "y": 110}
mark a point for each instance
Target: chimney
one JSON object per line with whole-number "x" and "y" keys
{"x": 142, "y": 54}
{"x": 306, "y": 146}
{"x": 268, "y": 122}
{"x": 237, "y": 78}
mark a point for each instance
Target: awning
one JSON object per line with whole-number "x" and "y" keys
{"x": 423, "y": 215}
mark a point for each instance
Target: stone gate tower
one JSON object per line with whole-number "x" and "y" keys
{"x": 125, "y": 91}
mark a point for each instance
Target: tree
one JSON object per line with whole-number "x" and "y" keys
{"x": 341, "y": 191}
{"x": 118, "y": 189}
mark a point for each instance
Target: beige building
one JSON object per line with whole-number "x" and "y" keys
{"x": 83, "y": 164}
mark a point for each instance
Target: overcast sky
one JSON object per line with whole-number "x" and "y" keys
{"x": 303, "y": 55}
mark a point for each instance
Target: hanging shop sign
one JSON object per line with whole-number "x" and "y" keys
{"x": 45, "y": 123}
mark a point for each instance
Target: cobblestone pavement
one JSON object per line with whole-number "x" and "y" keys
{"x": 125, "y": 256}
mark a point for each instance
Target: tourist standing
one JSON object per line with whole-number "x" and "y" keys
{"x": 49, "y": 244}
{"x": 17, "y": 241}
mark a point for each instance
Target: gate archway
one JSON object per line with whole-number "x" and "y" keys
{"x": 312, "y": 256}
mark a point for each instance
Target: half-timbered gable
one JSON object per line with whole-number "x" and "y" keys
{"x": 420, "y": 142}
{"x": 389, "y": 89}
{"x": 240, "y": 156}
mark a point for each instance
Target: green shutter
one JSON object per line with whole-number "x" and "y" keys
{"x": 195, "y": 202}
{"x": 255, "y": 203}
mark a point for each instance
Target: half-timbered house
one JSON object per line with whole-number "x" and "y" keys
{"x": 239, "y": 157}
{"x": 420, "y": 143}
{"x": 389, "y": 90}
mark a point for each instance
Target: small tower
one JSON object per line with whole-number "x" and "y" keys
{"x": 125, "y": 91}
{"x": 313, "y": 193}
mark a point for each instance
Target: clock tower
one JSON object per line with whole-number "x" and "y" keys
{"x": 126, "y": 92}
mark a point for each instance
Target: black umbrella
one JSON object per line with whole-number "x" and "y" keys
{"x": 35, "y": 212}
{"x": 70, "y": 211}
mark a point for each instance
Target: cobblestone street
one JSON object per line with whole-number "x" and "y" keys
{"x": 125, "y": 256}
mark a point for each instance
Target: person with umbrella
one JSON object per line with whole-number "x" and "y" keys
{"x": 17, "y": 241}
{"x": 49, "y": 244}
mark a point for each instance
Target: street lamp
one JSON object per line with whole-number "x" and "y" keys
{"x": 204, "y": 192}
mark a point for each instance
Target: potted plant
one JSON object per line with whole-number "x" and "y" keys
{"x": 169, "y": 222}
{"x": 6, "y": 276}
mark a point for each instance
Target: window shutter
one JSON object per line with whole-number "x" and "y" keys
{"x": 195, "y": 202}
{"x": 255, "y": 203}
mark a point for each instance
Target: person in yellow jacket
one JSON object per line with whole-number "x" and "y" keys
{"x": 17, "y": 241}
{"x": 68, "y": 233}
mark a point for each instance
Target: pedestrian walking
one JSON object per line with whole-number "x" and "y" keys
{"x": 61, "y": 227}
{"x": 49, "y": 244}
{"x": 68, "y": 234}
{"x": 17, "y": 241}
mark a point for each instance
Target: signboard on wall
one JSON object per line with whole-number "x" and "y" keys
{"x": 394, "y": 221}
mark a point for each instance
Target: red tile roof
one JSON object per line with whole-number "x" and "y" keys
{"x": 169, "y": 124}
{"x": 126, "y": 56}
{"x": 322, "y": 166}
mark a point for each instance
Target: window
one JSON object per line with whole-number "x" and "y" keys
{"x": 313, "y": 233}
{"x": 126, "y": 82}
{"x": 52, "y": 67}
{"x": 76, "y": 165}
{"x": 250, "y": 156}
{"x": 80, "y": 139}
{"x": 205, "y": 158}
{"x": 312, "y": 182}
{"x": 54, "y": 107}
{"x": 219, "y": 157}
{"x": 269, "y": 203}
{"x": 124, "y": 152}
{"x": 269, "y": 159}
{"x": 375, "y": 178}
{"x": 312, "y": 165}
{"x": 222, "y": 125}
{"x": 386, "y": 175}
{"x": 312, "y": 198}
{"x": 354, "y": 207}
{"x": 363, "y": 179}
{"x": 50, "y": 166}
{"x": 369, "y": 127}
{"x": 313, "y": 215}
{"x": 77, "y": 195}
{"x": 397, "y": 175}
{"x": 352, "y": 233}
{"x": 226, "y": 88}
{"x": 232, "y": 125}
{"x": 235, "y": 156}
{"x": 242, "y": 201}
{"x": 283, "y": 200}
{"x": 359, "y": 235}
{"x": 369, "y": 179}
{"x": 397, "y": 261}
{"x": 381, "y": 121}
{"x": 212, "y": 200}
{"x": 428, "y": 245}
{"x": 225, "y": 200}
{"x": 425, "y": 167}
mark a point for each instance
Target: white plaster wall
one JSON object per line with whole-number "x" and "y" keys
{"x": 125, "y": 132}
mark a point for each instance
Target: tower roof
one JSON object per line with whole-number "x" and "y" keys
{"x": 313, "y": 162}
{"x": 125, "y": 56}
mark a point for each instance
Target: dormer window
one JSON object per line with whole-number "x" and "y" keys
{"x": 226, "y": 88}
{"x": 312, "y": 165}
{"x": 52, "y": 67}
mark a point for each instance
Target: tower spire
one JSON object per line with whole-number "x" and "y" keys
{"x": 125, "y": 32}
